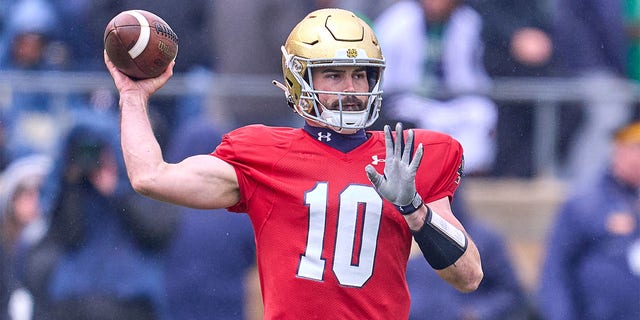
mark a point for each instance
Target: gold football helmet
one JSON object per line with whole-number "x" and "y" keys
{"x": 332, "y": 37}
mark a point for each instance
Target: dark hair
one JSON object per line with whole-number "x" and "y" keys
{"x": 83, "y": 150}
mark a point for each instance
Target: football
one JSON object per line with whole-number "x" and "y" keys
{"x": 140, "y": 44}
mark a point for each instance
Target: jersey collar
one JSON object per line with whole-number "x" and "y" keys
{"x": 339, "y": 141}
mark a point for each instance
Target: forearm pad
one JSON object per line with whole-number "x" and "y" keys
{"x": 441, "y": 243}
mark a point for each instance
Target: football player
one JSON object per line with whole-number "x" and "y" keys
{"x": 334, "y": 207}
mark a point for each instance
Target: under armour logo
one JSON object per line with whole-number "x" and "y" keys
{"x": 376, "y": 160}
{"x": 326, "y": 136}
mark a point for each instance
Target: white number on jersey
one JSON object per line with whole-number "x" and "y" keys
{"x": 312, "y": 264}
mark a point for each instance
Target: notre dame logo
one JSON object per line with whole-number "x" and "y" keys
{"x": 352, "y": 53}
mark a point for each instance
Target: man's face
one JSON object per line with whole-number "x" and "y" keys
{"x": 28, "y": 49}
{"x": 439, "y": 10}
{"x": 341, "y": 79}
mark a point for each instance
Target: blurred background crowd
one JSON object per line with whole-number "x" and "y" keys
{"x": 543, "y": 95}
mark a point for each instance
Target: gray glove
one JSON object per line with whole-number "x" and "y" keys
{"x": 398, "y": 184}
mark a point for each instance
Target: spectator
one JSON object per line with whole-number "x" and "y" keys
{"x": 29, "y": 116}
{"x": 517, "y": 39}
{"x": 435, "y": 78}
{"x": 592, "y": 267}
{"x": 499, "y": 296}
{"x": 592, "y": 47}
{"x": 105, "y": 244}
{"x": 21, "y": 183}
{"x": 19, "y": 208}
{"x": 213, "y": 252}
{"x": 29, "y": 26}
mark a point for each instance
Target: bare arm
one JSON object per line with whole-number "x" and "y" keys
{"x": 202, "y": 181}
{"x": 466, "y": 273}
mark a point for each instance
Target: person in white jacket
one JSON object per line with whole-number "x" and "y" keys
{"x": 435, "y": 78}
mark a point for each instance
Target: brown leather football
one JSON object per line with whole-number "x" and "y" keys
{"x": 140, "y": 43}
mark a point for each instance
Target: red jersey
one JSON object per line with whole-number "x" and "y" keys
{"x": 328, "y": 246}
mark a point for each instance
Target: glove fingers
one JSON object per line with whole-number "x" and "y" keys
{"x": 397, "y": 148}
{"x": 374, "y": 176}
{"x": 388, "y": 140}
{"x": 408, "y": 148}
{"x": 417, "y": 158}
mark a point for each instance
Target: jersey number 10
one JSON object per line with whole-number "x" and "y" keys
{"x": 312, "y": 265}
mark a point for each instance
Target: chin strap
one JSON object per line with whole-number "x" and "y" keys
{"x": 287, "y": 94}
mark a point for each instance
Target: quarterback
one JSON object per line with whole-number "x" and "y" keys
{"x": 334, "y": 207}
